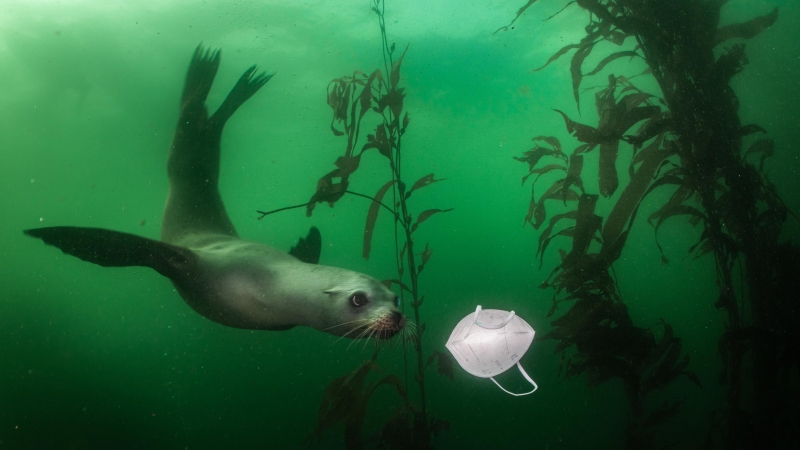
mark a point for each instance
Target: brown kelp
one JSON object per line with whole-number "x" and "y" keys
{"x": 352, "y": 98}
{"x": 597, "y": 325}
{"x": 694, "y": 142}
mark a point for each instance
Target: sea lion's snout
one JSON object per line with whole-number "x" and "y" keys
{"x": 389, "y": 324}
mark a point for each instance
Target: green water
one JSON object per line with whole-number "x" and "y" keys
{"x": 96, "y": 358}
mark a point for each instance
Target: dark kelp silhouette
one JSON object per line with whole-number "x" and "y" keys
{"x": 346, "y": 398}
{"x": 695, "y": 147}
{"x": 606, "y": 342}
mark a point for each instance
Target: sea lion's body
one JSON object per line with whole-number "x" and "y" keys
{"x": 246, "y": 284}
{"x": 232, "y": 281}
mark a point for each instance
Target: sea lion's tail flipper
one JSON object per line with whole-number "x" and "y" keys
{"x": 115, "y": 249}
{"x": 308, "y": 249}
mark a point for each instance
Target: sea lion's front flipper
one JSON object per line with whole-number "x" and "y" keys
{"x": 115, "y": 249}
{"x": 308, "y": 249}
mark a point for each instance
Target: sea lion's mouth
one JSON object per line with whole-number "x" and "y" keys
{"x": 388, "y": 325}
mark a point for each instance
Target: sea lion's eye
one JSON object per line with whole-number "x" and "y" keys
{"x": 358, "y": 299}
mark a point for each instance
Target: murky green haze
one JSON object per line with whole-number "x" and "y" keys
{"x": 98, "y": 358}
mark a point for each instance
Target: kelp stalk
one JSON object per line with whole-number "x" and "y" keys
{"x": 351, "y": 98}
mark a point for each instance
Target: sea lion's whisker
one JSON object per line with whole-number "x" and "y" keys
{"x": 357, "y": 327}
{"x": 360, "y": 325}
{"x": 412, "y": 329}
{"x": 367, "y": 329}
{"x": 366, "y": 341}
{"x": 345, "y": 323}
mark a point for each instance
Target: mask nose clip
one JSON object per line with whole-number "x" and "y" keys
{"x": 492, "y": 327}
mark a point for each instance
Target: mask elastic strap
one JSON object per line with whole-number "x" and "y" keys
{"x": 527, "y": 377}
{"x": 492, "y": 327}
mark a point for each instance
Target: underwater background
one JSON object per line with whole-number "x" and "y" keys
{"x": 97, "y": 358}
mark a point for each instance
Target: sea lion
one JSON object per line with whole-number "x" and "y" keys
{"x": 232, "y": 281}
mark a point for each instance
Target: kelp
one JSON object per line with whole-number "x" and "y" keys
{"x": 380, "y": 97}
{"x": 696, "y": 142}
{"x": 345, "y": 401}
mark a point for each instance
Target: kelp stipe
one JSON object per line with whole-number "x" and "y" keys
{"x": 694, "y": 143}
{"x": 351, "y": 98}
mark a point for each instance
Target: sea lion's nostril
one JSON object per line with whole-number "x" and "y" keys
{"x": 398, "y": 319}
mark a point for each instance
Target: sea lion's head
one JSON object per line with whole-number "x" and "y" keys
{"x": 362, "y": 307}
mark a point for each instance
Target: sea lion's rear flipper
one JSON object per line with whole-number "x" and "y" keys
{"x": 308, "y": 250}
{"x": 115, "y": 249}
{"x": 243, "y": 90}
{"x": 194, "y": 204}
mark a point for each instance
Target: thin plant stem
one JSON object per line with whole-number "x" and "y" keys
{"x": 285, "y": 208}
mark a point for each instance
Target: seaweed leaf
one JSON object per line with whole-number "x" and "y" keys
{"x": 545, "y": 236}
{"x": 574, "y": 172}
{"x": 678, "y": 210}
{"x": 561, "y": 52}
{"x": 533, "y": 156}
{"x": 608, "y": 168}
{"x": 445, "y": 363}
{"x": 640, "y": 156}
{"x": 327, "y": 191}
{"x": 339, "y": 99}
{"x": 399, "y": 283}
{"x": 750, "y": 129}
{"x": 588, "y": 40}
{"x": 628, "y": 202}
{"x": 406, "y": 120}
{"x": 567, "y": 232}
{"x": 551, "y": 141}
{"x": 682, "y": 193}
{"x": 656, "y": 126}
{"x": 537, "y": 211}
{"x": 341, "y": 399}
{"x": 346, "y": 166}
{"x": 610, "y": 58}
{"x": 575, "y": 70}
{"x": 586, "y": 224}
{"x": 583, "y": 133}
{"x": 426, "y": 255}
{"x": 763, "y": 146}
{"x": 394, "y": 77}
{"x": 616, "y": 37}
{"x": 439, "y": 425}
{"x": 746, "y": 30}
{"x": 391, "y": 380}
{"x": 662, "y": 414}
{"x": 422, "y": 182}
{"x": 366, "y": 95}
{"x": 519, "y": 13}
{"x": 394, "y": 100}
{"x": 541, "y": 171}
{"x": 380, "y": 141}
{"x": 634, "y": 100}
{"x": 372, "y": 217}
{"x": 704, "y": 249}
{"x": 424, "y": 215}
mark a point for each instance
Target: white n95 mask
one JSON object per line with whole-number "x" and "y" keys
{"x": 488, "y": 342}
